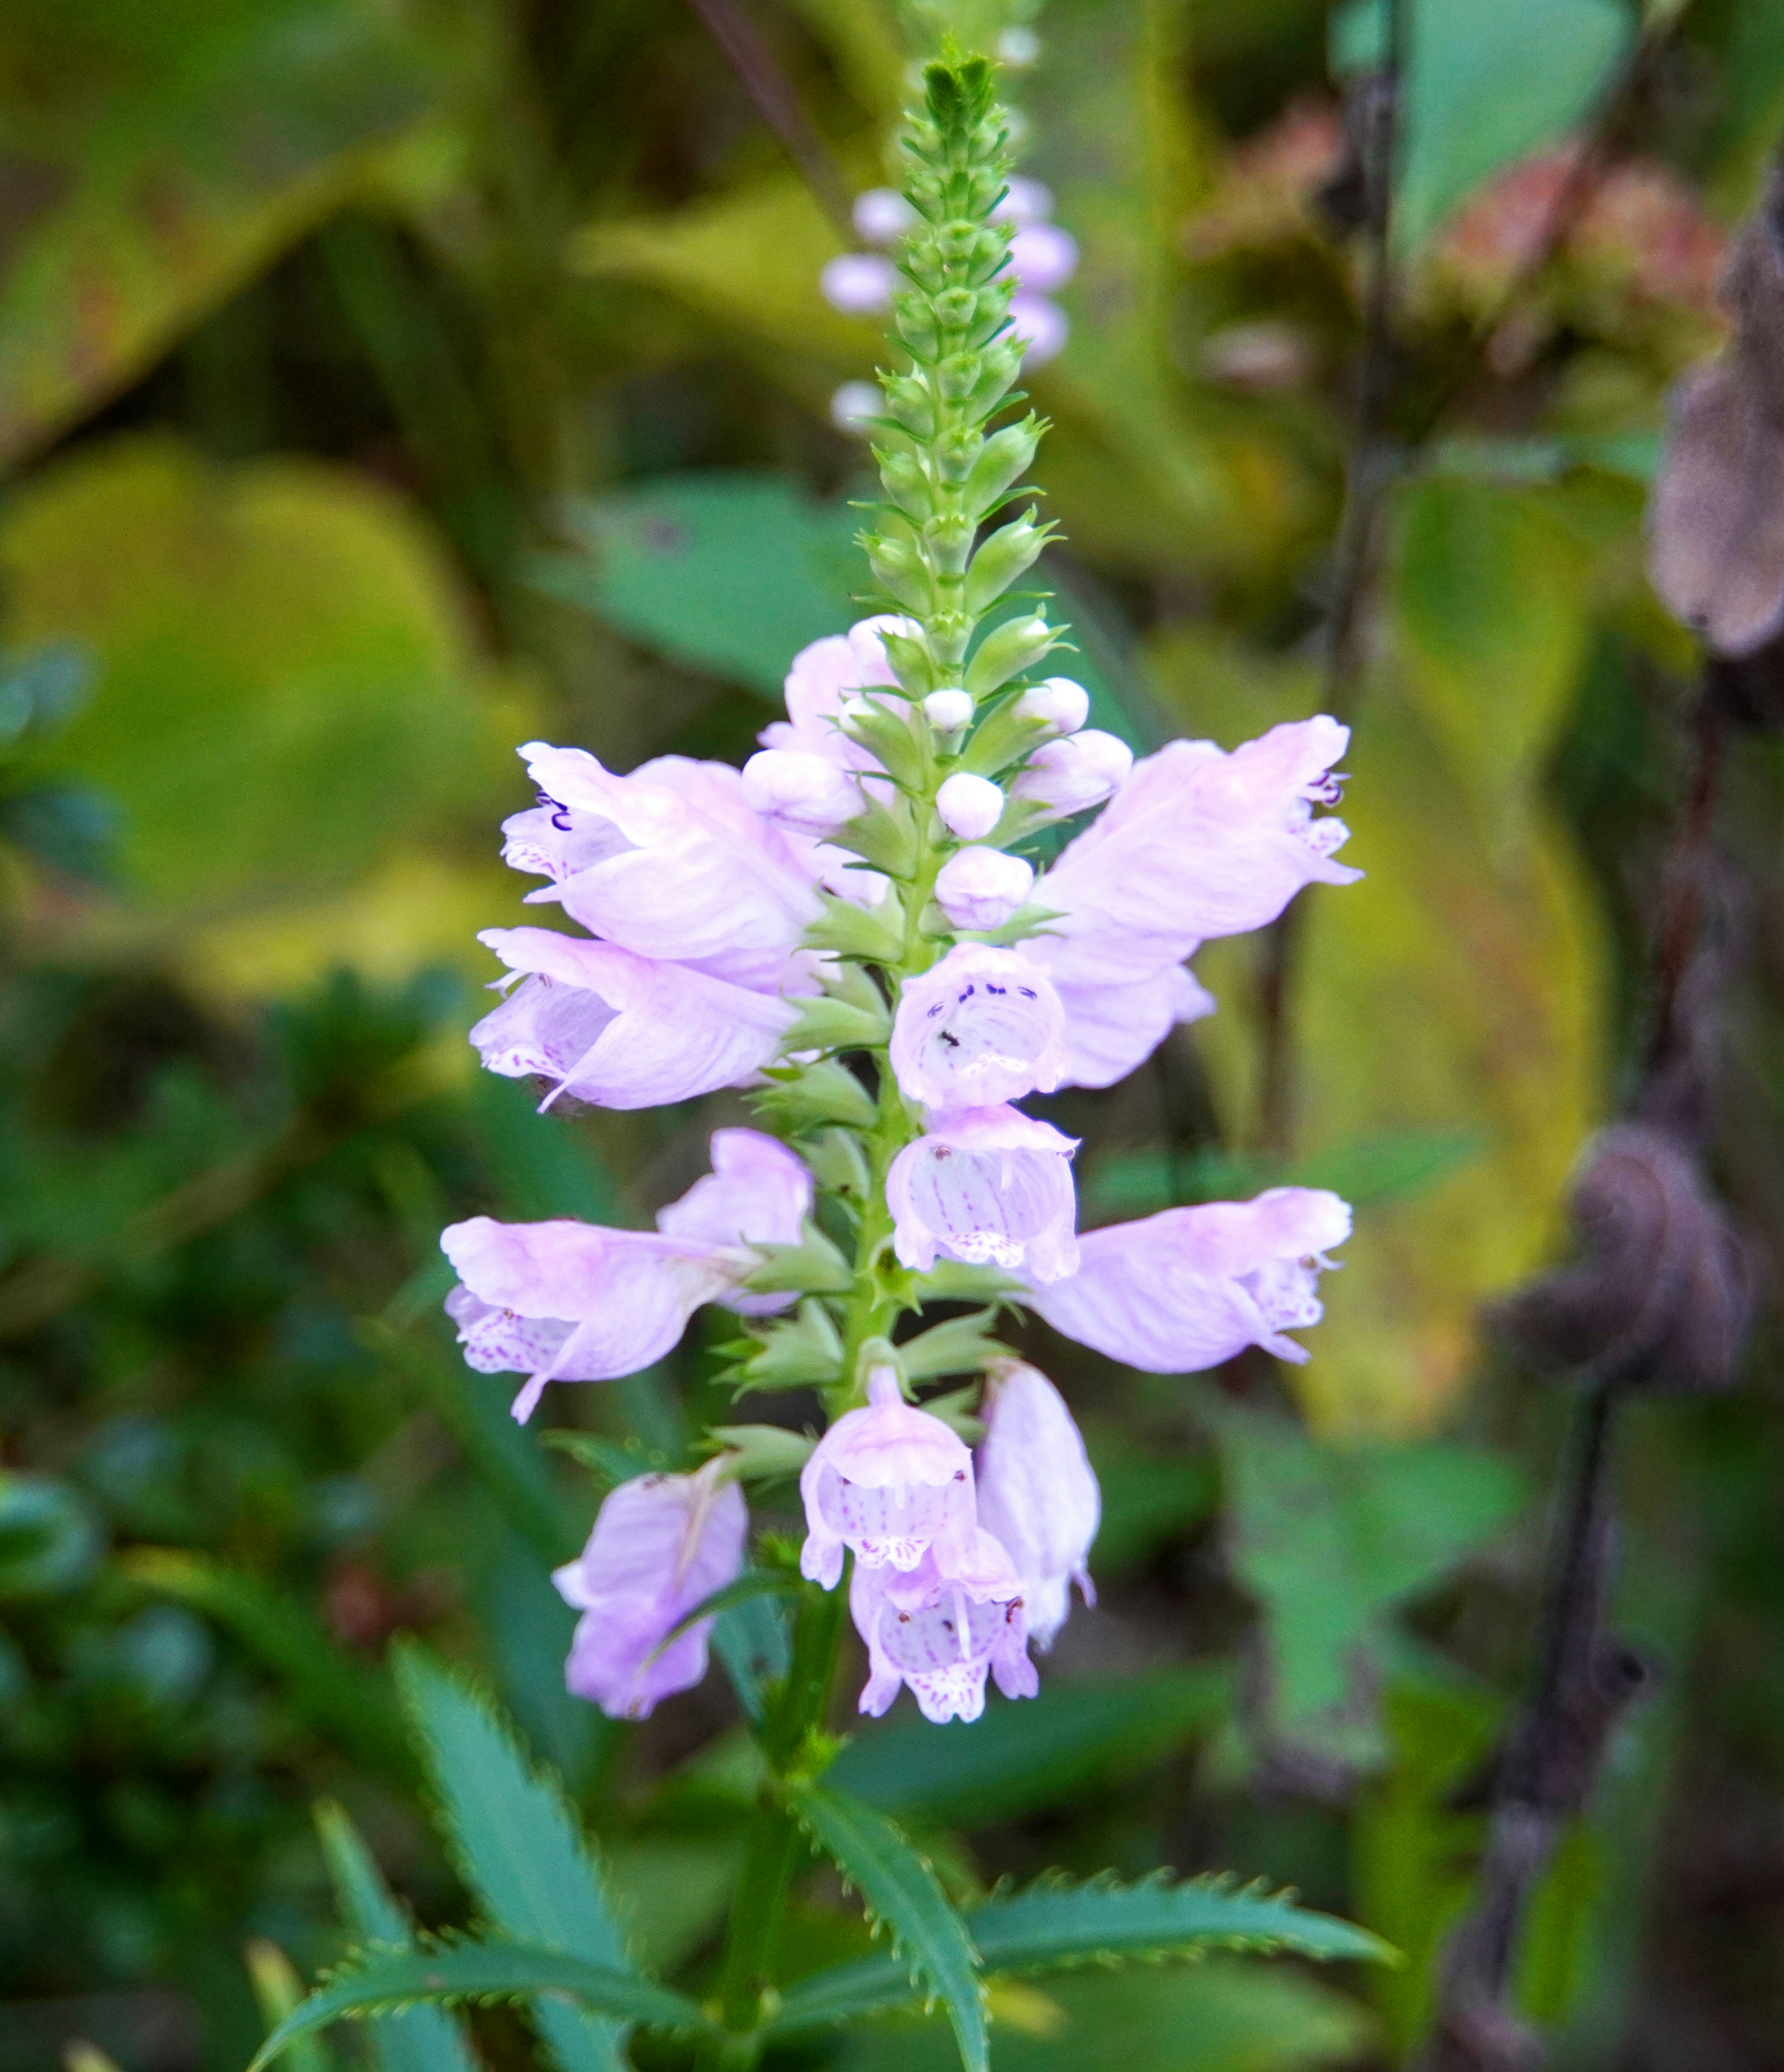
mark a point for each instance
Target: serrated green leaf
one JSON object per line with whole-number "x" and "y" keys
{"x": 873, "y": 933}
{"x": 419, "y": 2039}
{"x": 518, "y": 1845}
{"x": 960, "y": 1345}
{"x": 1043, "y": 1752}
{"x": 382, "y": 1981}
{"x": 799, "y": 1351}
{"x": 900, "y": 1890}
{"x": 953, "y": 1281}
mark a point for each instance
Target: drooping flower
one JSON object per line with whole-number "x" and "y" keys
{"x": 758, "y": 1193}
{"x": 941, "y": 1632}
{"x": 1037, "y": 1493}
{"x": 1077, "y": 771}
{"x": 983, "y": 1026}
{"x": 891, "y": 1482}
{"x": 986, "y": 1184}
{"x": 978, "y": 889}
{"x": 565, "y": 1301}
{"x": 1183, "y": 1290}
{"x": 619, "y": 1030}
{"x": 661, "y": 1545}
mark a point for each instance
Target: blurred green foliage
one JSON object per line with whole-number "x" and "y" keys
{"x": 381, "y": 384}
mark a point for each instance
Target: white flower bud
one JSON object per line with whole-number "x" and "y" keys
{"x": 858, "y": 283}
{"x": 948, "y": 711}
{"x": 1058, "y": 703}
{"x": 883, "y": 216}
{"x": 1070, "y": 775}
{"x": 978, "y": 889}
{"x": 796, "y": 789}
{"x": 970, "y": 806}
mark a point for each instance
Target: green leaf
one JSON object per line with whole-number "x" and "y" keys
{"x": 814, "y": 1266}
{"x": 1330, "y": 1539}
{"x": 382, "y": 1981}
{"x": 799, "y": 1351}
{"x": 421, "y": 2039}
{"x": 281, "y": 646}
{"x": 752, "y": 1583}
{"x": 899, "y": 1889}
{"x": 1055, "y": 1924}
{"x": 518, "y": 1845}
{"x": 166, "y": 157}
{"x": 1042, "y": 1752}
{"x": 765, "y": 1453}
{"x": 731, "y": 571}
{"x": 824, "y": 1024}
{"x": 873, "y": 933}
{"x": 337, "y": 1695}
{"x": 804, "y": 1097}
{"x": 959, "y": 1345}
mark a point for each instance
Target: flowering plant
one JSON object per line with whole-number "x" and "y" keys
{"x": 848, "y": 929}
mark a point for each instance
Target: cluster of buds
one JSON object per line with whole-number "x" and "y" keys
{"x": 848, "y": 927}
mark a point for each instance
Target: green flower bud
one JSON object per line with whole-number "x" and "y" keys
{"x": 956, "y": 455}
{"x": 961, "y": 374}
{"x": 955, "y": 308}
{"x": 911, "y": 403}
{"x": 899, "y": 568}
{"x": 999, "y": 364}
{"x": 1005, "y": 456}
{"x": 1010, "y": 552}
{"x": 905, "y": 482}
{"x": 1016, "y": 645}
{"x": 915, "y": 316}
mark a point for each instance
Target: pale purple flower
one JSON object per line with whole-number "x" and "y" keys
{"x": 883, "y": 216}
{"x": 1115, "y": 1017}
{"x": 796, "y": 788}
{"x": 1025, "y": 201}
{"x": 662, "y": 1544}
{"x": 758, "y": 1193}
{"x": 940, "y": 1631}
{"x": 970, "y": 806}
{"x": 1042, "y": 325}
{"x": 619, "y": 1029}
{"x": 1199, "y": 844}
{"x": 1063, "y": 705}
{"x": 859, "y": 283}
{"x": 986, "y": 1185}
{"x": 825, "y": 682}
{"x": 1187, "y": 1289}
{"x": 1074, "y": 773}
{"x": 978, "y": 889}
{"x": 703, "y": 879}
{"x": 889, "y": 1481}
{"x": 948, "y": 711}
{"x": 1037, "y": 1493}
{"x": 565, "y": 1301}
{"x": 984, "y": 1025}
{"x": 1043, "y": 258}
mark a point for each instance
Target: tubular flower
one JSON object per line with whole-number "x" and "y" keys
{"x": 890, "y": 1481}
{"x": 757, "y": 1193}
{"x": 661, "y": 1545}
{"x": 982, "y": 1026}
{"x": 1121, "y": 999}
{"x": 572, "y": 1301}
{"x": 940, "y": 1632}
{"x": 826, "y": 681}
{"x": 986, "y": 1184}
{"x": 1037, "y": 1493}
{"x": 800, "y": 790}
{"x": 620, "y": 1030}
{"x": 1187, "y": 1289}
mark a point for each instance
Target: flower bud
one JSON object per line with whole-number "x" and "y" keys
{"x": 978, "y": 889}
{"x": 1075, "y": 773}
{"x": 970, "y": 806}
{"x": 948, "y": 711}
{"x": 955, "y": 308}
{"x": 859, "y": 283}
{"x": 883, "y": 216}
{"x": 1058, "y": 703}
{"x": 1011, "y": 550}
{"x": 909, "y": 401}
{"x": 1043, "y": 258}
{"x": 796, "y": 789}
{"x": 1006, "y": 651}
{"x": 1001, "y": 459}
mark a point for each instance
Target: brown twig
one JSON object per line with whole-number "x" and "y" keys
{"x": 771, "y": 92}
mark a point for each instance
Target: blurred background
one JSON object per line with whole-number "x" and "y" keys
{"x": 386, "y": 382}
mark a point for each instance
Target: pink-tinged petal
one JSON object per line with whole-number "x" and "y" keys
{"x": 623, "y": 1030}
{"x": 825, "y": 680}
{"x": 758, "y": 1193}
{"x": 982, "y": 1026}
{"x": 970, "y": 806}
{"x": 1114, "y": 1019}
{"x": 555, "y": 841}
{"x": 1182, "y": 1290}
{"x": 722, "y": 889}
{"x": 1037, "y": 1493}
{"x": 642, "y": 811}
{"x": 1058, "y": 703}
{"x": 1197, "y": 844}
{"x": 940, "y": 1631}
{"x": 980, "y": 889}
{"x": 889, "y": 1481}
{"x": 1077, "y": 771}
{"x": 661, "y": 1545}
{"x": 796, "y": 788}
{"x": 498, "y": 1341}
{"x": 986, "y": 1185}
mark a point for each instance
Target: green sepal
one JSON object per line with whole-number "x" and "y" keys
{"x": 812, "y": 1267}
{"x": 899, "y": 570}
{"x": 902, "y": 755}
{"x": 828, "y": 1023}
{"x": 1003, "y": 459}
{"x": 838, "y": 1163}
{"x": 765, "y": 1453}
{"x": 1008, "y": 650}
{"x": 911, "y": 663}
{"x": 956, "y": 1410}
{"x": 1010, "y": 552}
{"x": 865, "y": 933}
{"x": 961, "y": 1345}
{"x": 1003, "y": 736}
{"x": 806, "y": 1097}
{"x": 1025, "y": 922}
{"x": 881, "y": 836}
{"x": 800, "y": 1351}
{"x": 953, "y": 1281}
